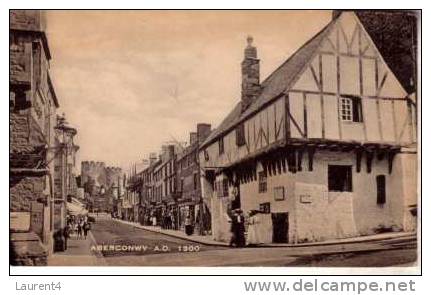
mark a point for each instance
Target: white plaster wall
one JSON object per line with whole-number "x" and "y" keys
{"x": 343, "y": 214}
{"x": 321, "y": 214}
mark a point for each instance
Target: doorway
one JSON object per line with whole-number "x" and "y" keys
{"x": 280, "y": 227}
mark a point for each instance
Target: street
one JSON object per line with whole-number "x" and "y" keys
{"x": 155, "y": 249}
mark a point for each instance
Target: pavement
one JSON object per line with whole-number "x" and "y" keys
{"x": 383, "y": 250}
{"x": 78, "y": 253}
{"x": 208, "y": 240}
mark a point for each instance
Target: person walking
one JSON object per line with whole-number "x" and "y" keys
{"x": 233, "y": 228}
{"x": 79, "y": 227}
{"x": 188, "y": 225}
{"x": 241, "y": 229}
{"x": 252, "y": 233}
{"x": 238, "y": 229}
{"x": 87, "y": 228}
{"x": 66, "y": 234}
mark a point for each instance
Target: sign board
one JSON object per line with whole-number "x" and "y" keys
{"x": 306, "y": 199}
{"x": 37, "y": 218}
{"x": 20, "y": 221}
{"x": 279, "y": 193}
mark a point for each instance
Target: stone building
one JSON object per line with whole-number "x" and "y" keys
{"x": 165, "y": 183}
{"x": 33, "y": 105}
{"x": 102, "y": 185}
{"x": 147, "y": 189}
{"x": 189, "y": 186}
{"x": 326, "y": 146}
{"x": 65, "y": 186}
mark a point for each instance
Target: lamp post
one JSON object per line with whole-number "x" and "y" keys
{"x": 66, "y": 134}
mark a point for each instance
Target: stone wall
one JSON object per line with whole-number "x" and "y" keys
{"x": 25, "y": 189}
{"x": 32, "y": 109}
{"x": 31, "y": 20}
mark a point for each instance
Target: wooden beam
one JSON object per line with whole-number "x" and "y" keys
{"x": 375, "y": 97}
{"x": 361, "y": 82}
{"x": 391, "y": 156}
{"x": 376, "y": 80}
{"x": 322, "y": 103}
{"x": 296, "y": 124}
{"x": 316, "y": 80}
{"x": 278, "y": 163}
{"x": 394, "y": 120}
{"x": 299, "y": 160}
{"x": 358, "y": 160}
{"x": 311, "y": 150}
{"x": 287, "y": 116}
{"x": 304, "y": 104}
{"x": 340, "y": 133}
{"x": 275, "y": 122}
{"x": 369, "y": 157}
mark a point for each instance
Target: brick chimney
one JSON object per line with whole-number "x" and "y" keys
{"x": 193, "y": 137}
{"x": 250, "y": 71}
{"x": 203, "y": 130}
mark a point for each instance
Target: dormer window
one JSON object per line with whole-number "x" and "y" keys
{"x": 240, "y": 135}
{"x": 351, "y": 109}
{"x": 206, "y": 155}
{"x": 221, "y": 146}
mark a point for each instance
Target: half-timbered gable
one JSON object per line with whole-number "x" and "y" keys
{"x": 346, "y": 92}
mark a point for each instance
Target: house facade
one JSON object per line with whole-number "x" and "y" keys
{"x": 189, "y": 186}
{"x": 37, "y": 208}
{"x": 325, "y": 147}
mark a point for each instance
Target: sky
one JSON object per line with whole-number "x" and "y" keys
{"x": 133, "y": 80}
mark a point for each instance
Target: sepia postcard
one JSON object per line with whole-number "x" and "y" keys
{"x": 214, "y": 138}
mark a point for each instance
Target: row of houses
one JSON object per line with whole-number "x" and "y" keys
{"x": 42, "y": 149}
{"x": 168, "y": 184}
{"x": 325, "y": 147}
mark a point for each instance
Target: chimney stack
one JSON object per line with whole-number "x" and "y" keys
{"x": 193, "y": 137}
{"x": 250, "y": 71}
{"x": 203, "y": 130}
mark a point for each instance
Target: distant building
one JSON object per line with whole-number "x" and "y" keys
{"x": 102, "y": 185}
{"x": 190, "y": 200}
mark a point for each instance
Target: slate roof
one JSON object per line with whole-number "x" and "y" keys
{"x": 275, "y": 84}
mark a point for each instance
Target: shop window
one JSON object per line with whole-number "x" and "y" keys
{"x": 381, "y": 189}
{"x": 240, "y": 135}
{"x": 351, "y": 109}
{"x": 262, "y": 182}
{"x": 339, "y": 178}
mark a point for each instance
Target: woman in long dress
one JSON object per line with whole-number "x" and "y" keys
{"x": 252, "y": 234}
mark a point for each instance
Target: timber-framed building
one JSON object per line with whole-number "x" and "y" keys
{"x": 326, "y": 145}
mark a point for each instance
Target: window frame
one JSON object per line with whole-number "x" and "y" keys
{"x": 240, "y": 135}
{"x": 351, "y": 109}
{"x": 262, "y": 182}
{"x": 381, "y": 189}
{"x": 334, "y": 184}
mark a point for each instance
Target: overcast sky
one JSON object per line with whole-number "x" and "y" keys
{"x": 132, "y": 80}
